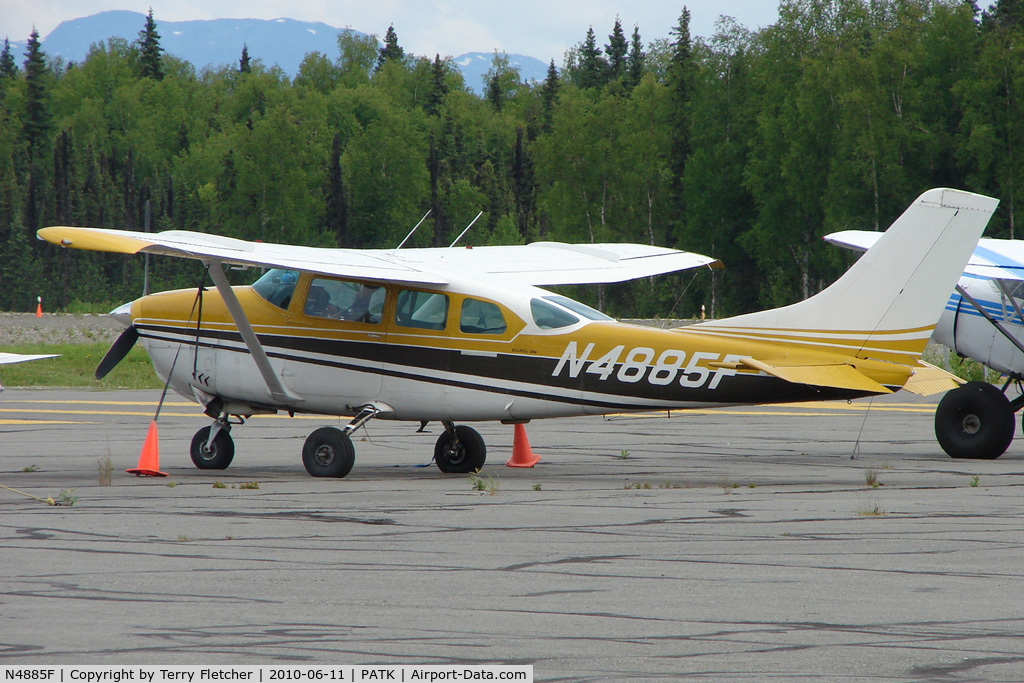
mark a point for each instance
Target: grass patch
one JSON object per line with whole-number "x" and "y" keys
{"x": 76, "y": 367}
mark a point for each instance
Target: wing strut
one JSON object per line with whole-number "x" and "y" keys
{"x": 988, "y": 316}
{"x": 277, "y": 390}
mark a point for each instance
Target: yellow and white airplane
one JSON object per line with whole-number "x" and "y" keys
{"x": 466, "y": 334}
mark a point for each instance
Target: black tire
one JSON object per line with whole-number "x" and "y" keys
{"x": 218, "y": 456}
{"x": 328, "y": 452}
{"x": 974, "y": 421}
{"x": 461, "y": 452}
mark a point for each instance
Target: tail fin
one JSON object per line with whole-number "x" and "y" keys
{"x": 888, "y": 303}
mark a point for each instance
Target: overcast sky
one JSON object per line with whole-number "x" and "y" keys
{"x": 539, "y": 28}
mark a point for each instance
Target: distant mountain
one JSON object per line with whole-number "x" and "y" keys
{"x": 214, "y": 42}
{"x": 209, "y": 42}
{"x": 474, "y": 66}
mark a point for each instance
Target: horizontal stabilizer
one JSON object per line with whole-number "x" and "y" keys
{"x": 837, "y": 375}
{"x": 928, "y": 379}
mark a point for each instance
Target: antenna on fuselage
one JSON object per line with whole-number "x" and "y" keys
{"x": 413, "y": 230}
{"x": 466, "y": 230}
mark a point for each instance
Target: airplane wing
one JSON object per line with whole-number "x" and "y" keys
{"x": 359, "y": 263}
{"x": 992, "y": 258}
{"x": 6, "y": 358}
{"x": 540, "y": 263}
{"x": 557, "y": 263}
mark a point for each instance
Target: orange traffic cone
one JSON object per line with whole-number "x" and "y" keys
{"x": 39, "y": 307}
{"x": 149, "y": 460}
{"x": 522, "y": 456}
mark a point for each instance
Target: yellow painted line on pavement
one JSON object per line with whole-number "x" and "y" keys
{"x": 42, "y": 422}
{"x": 103, "y": 403}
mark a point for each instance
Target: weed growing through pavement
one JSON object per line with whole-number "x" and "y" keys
{"x": 106, "y": 467}
{"x": 975, "y": 479}
{"x": 489, "y": 484}
{"x": 871, "y": 478}
{"x": 31, "y": 468}
{"x": 623, "y": 454}
{"x": 870, "y": 510}
{"x": 249, "y": 485}
{"x": 219, "y": 485}
{"x": 65, "y": 498}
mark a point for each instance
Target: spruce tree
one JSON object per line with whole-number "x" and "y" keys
{"x": 616, "y": 50}
{"x": 392, "y": 51}
{"x": 150, "y": 65}
{"x": 336, "y": 205}
{"x": 548, "y": 95}
{"x": 593, "y": 69}
{"x": 494, "y": 95}
{"x": 37, "y": 114}
{"x": 8, "y": 67}
{"x": 438, "y": 87}
{"x": 636, "y": 61}
{"x": 243, "y": 64}
{"x": 681, "y": 76}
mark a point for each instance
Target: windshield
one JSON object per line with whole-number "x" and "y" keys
{"x": 548, "y": 316}
{"x": 277, "y": 285}
{"x": 577, "y": 307}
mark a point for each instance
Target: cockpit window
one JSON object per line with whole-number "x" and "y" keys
{"x": 577, "y": 307}
{"x": 481, "y": 317}
{"x": 277, "y": 286}
{"x": 548, "y": 316}
{"x": 344, "y": 300}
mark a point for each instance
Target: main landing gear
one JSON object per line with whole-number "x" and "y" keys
{"x": 328, "y": 451}
{"x": 976, "y": 421}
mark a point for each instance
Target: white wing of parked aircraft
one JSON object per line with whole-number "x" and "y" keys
{"x": 539, "y": 263}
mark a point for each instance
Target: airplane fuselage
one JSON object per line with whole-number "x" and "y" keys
{"x": 968, "y": 332}
{"x": 452, "y": 362}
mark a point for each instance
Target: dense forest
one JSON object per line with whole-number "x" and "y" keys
{"x": 746, "y": 145}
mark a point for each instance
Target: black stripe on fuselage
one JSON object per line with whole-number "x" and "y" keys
{"x": 476, "y": 372}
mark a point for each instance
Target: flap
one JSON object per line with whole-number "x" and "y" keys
{"x": 838, "y": 375}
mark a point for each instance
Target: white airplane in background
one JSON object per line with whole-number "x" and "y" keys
{"x": 6, "y": 358}
{"x": 466, "y": 334}
{"x": 982, "y": 320}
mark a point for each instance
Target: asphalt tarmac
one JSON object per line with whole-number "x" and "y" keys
{"x": 726, "y": 545}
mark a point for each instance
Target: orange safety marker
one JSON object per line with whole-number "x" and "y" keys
{"x": 149, "y": 459}
{"x": 522, "y": 456}
{"x": 39, "y": 307}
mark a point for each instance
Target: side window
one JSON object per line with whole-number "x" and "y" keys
{"x": 344, "y": 300}
{"x": 481, "y": 317}
{"x": 425, "y": 310}
{"x": 550, "y": 317}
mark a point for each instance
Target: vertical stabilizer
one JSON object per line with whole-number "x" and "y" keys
{"x": 887, "y": 304}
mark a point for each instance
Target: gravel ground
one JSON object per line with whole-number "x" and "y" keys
{"x": 72, "y": 328}
{"x": 57, "y": 328}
